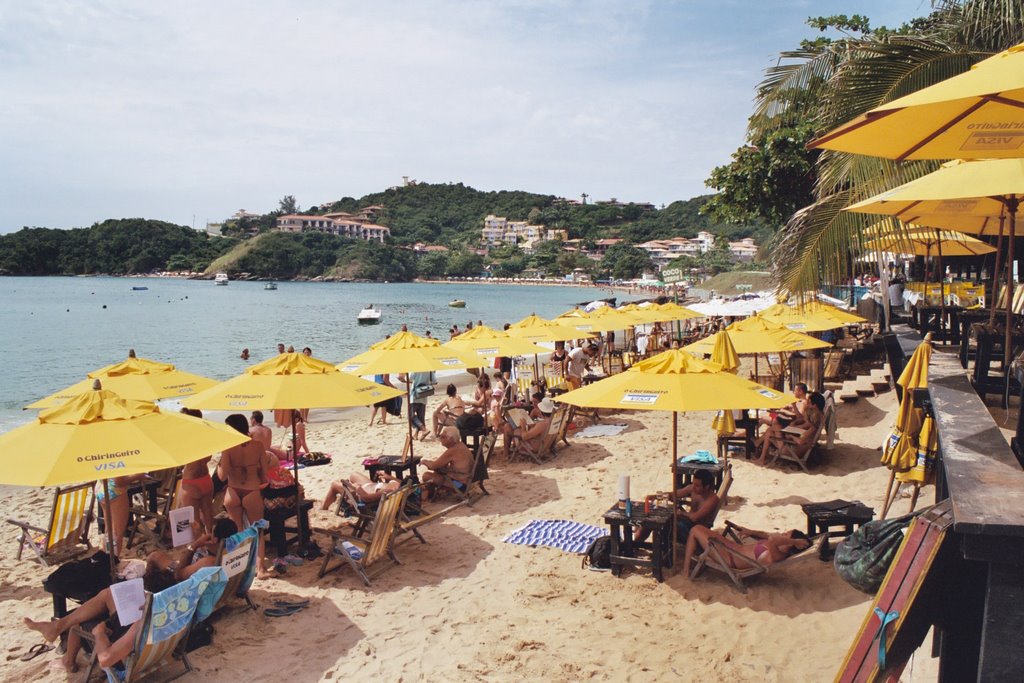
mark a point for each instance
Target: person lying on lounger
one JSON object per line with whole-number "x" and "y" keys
{"x": 362, "y": 488}
{"x": 769, "y": 548}
{"x": 810, "y": 423}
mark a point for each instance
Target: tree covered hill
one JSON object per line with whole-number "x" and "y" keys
{"x": 113, "y": 247}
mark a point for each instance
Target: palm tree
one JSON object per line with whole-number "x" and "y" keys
{"x": 847, "y": 78}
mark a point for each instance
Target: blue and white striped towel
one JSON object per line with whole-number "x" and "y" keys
{"x": 573, "y": 537}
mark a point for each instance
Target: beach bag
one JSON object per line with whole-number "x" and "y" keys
{"x": 469, "y": 423}
{"x": 862, "y": 560}
{"x": 200, "y": 635}
{"x": 394, "y": 406}
{"x": 80, "y": 579}
{"x": 598, "y": 555}
{"x": 424, "y": 391}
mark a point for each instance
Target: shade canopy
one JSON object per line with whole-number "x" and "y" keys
{"x": 536, "y": 329}
{"x": 806, "y": 318}
{"x": 675, "y": 380}
{"x": 98, "y": 434}
{"x": 487, "y": 342}
{"x": 978, "y": 114}
{"x": 291, "y": 381}
{"x": 930, "y": 242}
{"x": 757, "y": 335}
{"x": 135, "y": 378}
{"x": 408, "y": 352}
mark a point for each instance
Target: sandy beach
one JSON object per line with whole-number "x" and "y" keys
{"x": 469, "y": 607}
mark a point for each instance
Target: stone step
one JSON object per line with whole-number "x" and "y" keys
{"x": 866, "y": 392}
{"x": 849, "y": 397}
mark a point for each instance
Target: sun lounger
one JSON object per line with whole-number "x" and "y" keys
{"x": 362, "y": 554}
{"x": 521, "y": 448}
{"x": 239, "y": 579}
{"x": 717, "y": 556}
{"x": 67, "y": 534}
{"x": 167, "y": 618}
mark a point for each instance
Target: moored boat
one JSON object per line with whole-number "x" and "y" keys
{"x": 369, "y": 316}
{"x": 220, "y": 279}
{"x": 270, "y": 286}
{"x": 457, "y": 303}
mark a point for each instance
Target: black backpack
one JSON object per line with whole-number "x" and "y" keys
{"x": 598, "y": 555}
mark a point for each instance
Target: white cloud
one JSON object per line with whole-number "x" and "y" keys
{"x": 173, "y": 110}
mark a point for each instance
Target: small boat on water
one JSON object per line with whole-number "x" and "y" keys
{"x": 457, "y": 303}
{"x": 139, "y": 289}
{"x": 270, "y": 286}
{"x": 220, "y": 279}
{"x": 368, "y": 316}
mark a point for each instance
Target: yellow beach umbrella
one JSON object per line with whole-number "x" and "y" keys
{"x": 408, "y": 352}
{"x": 670, "y": 312}
{"x": 725, "y": 357}
{"x": 489, "y": 343}
{"x": 921, "y": 241}
{"x": 807, "y": 319}
{"x": 819, "y": 307}
{"x": 98, "y": 435}
{"x": 596, "y": 321}
{"x": 758, "y": 335}
{"x": 676, "y": 381}
{"x": 900, "y": 450}
{"x": 976, "y": 114}
{"x": 536, "y": 329}
{"x": 136, "y": 378}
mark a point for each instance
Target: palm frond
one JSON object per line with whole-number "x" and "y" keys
{"x": 804, "y": 73}
{"x": 992, "y": 25}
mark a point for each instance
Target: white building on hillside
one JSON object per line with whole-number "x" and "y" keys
{"x": 499, "y": 230}
{"x": 350, "y": 227}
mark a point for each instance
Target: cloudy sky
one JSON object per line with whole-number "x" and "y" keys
{"x": 188, "y": 111}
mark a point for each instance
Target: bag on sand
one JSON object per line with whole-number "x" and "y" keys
{"x": 863, "y": 559}
{"x": 394, "y": 406}
{"x": 598, "y": 555}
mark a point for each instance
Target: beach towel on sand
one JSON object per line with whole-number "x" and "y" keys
{"x": 567, "y": 535}
{"x": 601, "y": 430}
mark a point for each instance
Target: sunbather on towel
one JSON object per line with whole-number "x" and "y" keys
{"x": 769, "y": 548}
{"x": 703, "y": 507}
{"x": 456, "y": 464}
{"x": 158, "y": 576}
{"x": 810, "y": 422}
{"x": 364, "y": 489}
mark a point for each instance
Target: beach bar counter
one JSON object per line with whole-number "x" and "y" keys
{"x": 977, "y": 609}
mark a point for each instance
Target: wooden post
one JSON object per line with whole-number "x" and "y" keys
{"x": 995, "y": 274}
{"x": 675, "y": 475}
{"x": 1011, "y": 208}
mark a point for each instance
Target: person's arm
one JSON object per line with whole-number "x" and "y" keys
{"x": 704, "y": 510}
{"x": 684, "y": 492}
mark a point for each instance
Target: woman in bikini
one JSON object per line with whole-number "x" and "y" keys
{"x": 451, "y": 408}
{"x": 769, "y": 548}
{"x": 362, "y": 488}
{"x": 301, "y": 446}
{"x": 197, "y": 485}
{"x": 244, "y": 467}
{"x": 481, "y": 397}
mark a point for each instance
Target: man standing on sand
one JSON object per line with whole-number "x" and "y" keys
{"x": 455, "y": 464}
{"x": 264, "y": 436}
{"x": 579, "y": 361}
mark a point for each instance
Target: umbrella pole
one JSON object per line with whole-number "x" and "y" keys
{"x": 942, "y": 289}
{"x": 298, "y": 496}
{"x": 675, "y": 500}
{"x": 408, "y": 403}
{"x": 1011, "y": 207}
{"x": 995, "y": 274}
{"x": 109, "y": 523}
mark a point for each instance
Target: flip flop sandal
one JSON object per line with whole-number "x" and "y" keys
{"x": 294, "y": 560}
{"x": 35, "y": 651}
{"x": 280, "y": 611}
{"x": 279, "y": 566}
{"x": 291, "y": 604}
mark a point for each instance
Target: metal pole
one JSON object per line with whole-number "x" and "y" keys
{"x": 298, "y": 489}
{"x": 109, "y": 522}
{"x": 675, "y": 475}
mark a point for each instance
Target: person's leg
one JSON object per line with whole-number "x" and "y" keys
{"x": 117, "y": 509}
{"x": 698, "y": 536}
{"x": 252, "y": 503}
{"x": 108, "y": 654}
{"x": 192, "y": 497}
{"x": 70, "y": 659}
{"x": 233, "y": 506}
{"x": 96, "y": 607}
{"x": 335, "y": 490}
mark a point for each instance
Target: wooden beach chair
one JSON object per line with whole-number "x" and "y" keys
{"x": 239, "y": 579}
{"x": 67, "y": 534}
{"x": 374, "y": 549}
{"x": 155, "y": 526}
{"x": 717, "y": 556}
{"x": 521, "y": 448}
{"x": 745, "y": 434}
{"x": 787, "y": 448}
{"x": 167, "y": 619}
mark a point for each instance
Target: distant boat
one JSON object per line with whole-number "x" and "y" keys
{"x": 139, "y": 289}
{"x": 220, "y": 279}
{"x": 270, "y": 285}
{"x": 457, "y": 303}
{"x": 369, "y": 316}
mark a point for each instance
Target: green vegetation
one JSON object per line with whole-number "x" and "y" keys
{"x": 115, "y": 247}
{"x": 726, "y": 283}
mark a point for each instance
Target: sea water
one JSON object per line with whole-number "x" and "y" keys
{"x": 55, "y": 330}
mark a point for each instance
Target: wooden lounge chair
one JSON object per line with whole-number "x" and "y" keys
{"x": 239, "y": 579}
{"x": 717, "y": 556}
{"x": 745, "y": 434}
{"x": 167, "y": 618}
{"x": 788, "y": 447}
{"x": 834, "y": 361}
{"x": 377, "y": 547}
{"x": 547, "y": 446}
{"x": 155, "y": 526}
{"x": 67, "y": 534}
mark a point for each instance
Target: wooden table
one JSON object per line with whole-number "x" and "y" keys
{"x": 393, "y": 465}
{"x": 845, "y": 514}
{"x": 623, "y": 554}
{"x": 686, "y": 470}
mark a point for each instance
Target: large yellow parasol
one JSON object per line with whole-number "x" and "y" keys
{"x": 536, "y": 329}
{"x": 759, "y": 335}
{"x": 978, "y": 114}
{"x": 674, "y": 380}
{"x": 809, "y": 319}
{"x": 725, "y": 357}
{"x": 490, "y": 343}
{"x": 137, "y": 378}
{"x": 900, "y": 450}
{"x": 98, "y": 434}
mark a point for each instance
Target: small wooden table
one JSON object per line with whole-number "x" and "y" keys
{"x": 845, "y": 514}
{"x": 393, "y": 465}
{"x": 686, "y": 470}
{"x": 623, "y": 554}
